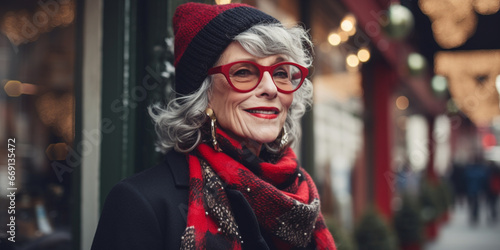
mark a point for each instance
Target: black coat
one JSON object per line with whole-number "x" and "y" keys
{"x": 149, "y": 211}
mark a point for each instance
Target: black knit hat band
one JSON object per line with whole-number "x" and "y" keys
{"x": 210, "y": 42}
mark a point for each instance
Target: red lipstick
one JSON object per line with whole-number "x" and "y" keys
{"x": 264, "y": 112}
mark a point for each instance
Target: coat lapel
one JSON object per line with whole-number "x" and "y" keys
{"x": 179, "y": 168}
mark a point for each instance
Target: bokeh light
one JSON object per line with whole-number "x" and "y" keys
{"x": 23, "y": 26}
{"x": 489, "y": 140}
{"x": 346, "y": 25}
{"x": 398, "y": 22}
{"x": 486, "y": 7}
{"x": 400, "y": 15}
{"x": 352, "y": 60}
{"x": 364, "y": 55}
{"x": 334, "y": 39}
{"x": 417, "y": 138}
{"x": 439, "y": 84}
{"x": 402, "y": 102}
{"x": 451, "y": 26}
{"x": 13, "y": 88}
{"x": 416, "y": 63}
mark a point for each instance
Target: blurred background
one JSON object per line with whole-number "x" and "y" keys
{"x": 402, "y": 140}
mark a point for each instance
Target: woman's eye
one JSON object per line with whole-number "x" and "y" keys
{"x": 242, "y": 72}
{"x": 281, "y": 74}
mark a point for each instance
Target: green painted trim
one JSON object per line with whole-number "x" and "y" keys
{"x": 154, "y": 20}
{"x": 134, "y": 52}
{"x": 307, "y": 152}
{"x": 76, "y": 176}
{"x": 118, "y": 76}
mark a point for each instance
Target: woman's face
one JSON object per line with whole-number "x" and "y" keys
{"x": 257, "y": 115}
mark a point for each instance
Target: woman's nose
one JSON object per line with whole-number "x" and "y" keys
{"x": 267, "y": 86}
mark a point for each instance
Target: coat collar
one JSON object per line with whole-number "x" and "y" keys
{"x": 179, "y": 167}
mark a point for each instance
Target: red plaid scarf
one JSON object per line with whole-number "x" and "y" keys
{"x": 281, "y": 194}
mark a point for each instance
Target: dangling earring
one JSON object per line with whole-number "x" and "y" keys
{"x": 284, "y": 138}
{"x": 213, "y": 127}
{"x": 281, "y": 141}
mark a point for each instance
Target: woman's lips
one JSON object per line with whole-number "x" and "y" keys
{"x": 264, "y": 112}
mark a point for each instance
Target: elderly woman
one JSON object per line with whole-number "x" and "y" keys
{"x": 230, "y": 179}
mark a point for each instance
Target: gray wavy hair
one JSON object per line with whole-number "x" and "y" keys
{"x": 178, "y": 125}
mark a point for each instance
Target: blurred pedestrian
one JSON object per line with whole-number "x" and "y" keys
{"x": 475, "y": 176}
{"x": 458, "y": 180}
{"x": 493, "y": 189}
{"x": 230, "y": 179}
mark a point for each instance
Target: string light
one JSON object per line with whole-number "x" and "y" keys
{"x": 402, "y": 102}
{"x": 363, "y": 55}
{"x": 439, "y": 84}
{"x": 486, "y": 7}
{"x": 352, "y": 60}
{"x": 346, "y": 29}
{"x": 472, "y": 81}
{"x": 22, "y": 26}
{"x": 334, "y": 39}
{"x": 16, "y": 88}
{"x": 416, "y": 62}
{"x": 13, "y": 88}
{"x": 346, "y": 25}
{"x": 453, "y": 22}
{"x": 398, "y": 21}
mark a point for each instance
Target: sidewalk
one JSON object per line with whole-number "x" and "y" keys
{"x": 458, "y": 234}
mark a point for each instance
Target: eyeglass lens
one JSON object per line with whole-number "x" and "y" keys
{"x": 245, "y": 76}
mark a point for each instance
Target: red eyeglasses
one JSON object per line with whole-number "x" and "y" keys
{"x": 244, "y": 76}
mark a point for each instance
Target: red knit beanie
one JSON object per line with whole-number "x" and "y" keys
{"x": 202, "y": 32}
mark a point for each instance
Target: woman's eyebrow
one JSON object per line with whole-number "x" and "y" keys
{"x": 255, "y": 60}
{"x": 280, "y": 59}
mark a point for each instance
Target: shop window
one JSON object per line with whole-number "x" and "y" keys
{"x": 37, "y": 63}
